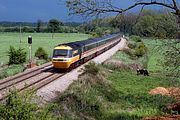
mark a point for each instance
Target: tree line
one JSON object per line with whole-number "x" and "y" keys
{"x": 53, "y": 25}
{"x": 149, "y": 23}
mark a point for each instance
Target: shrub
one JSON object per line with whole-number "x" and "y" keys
{"x": 16, "y": 56}
{"x": 22, "y": 107}
{"x": 11, "y": 70}
{"x": 132, "y": 45}
{"x": 41, "y": 53}
{"x": 135, "y": 38}
{"x": 91, "y": 68}
{"x": 140, "y": 50}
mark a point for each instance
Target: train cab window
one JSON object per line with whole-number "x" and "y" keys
{"x": 62, "y": 53}
{"x": 75, "y": 53}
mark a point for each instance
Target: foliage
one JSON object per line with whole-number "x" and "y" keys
{"x": 22, "y": 107}
{"x": 91, "y": 68}
{"x": 140, "y": 50}
{"x": 39, "y": 26}
{"x": 10, "y": 71}
{"x": 171, "y": 60}
{"x": 135, "y": 38}
{"x": 161, "y": 25}
{"x": 16, "y": 56}
{"x": 132, "y": 45}
{"x": 145, "y": 26}
{"x": 91, "y": 8}
{"x": 53, "y": 25}
{"x": 41, "y": 53}
{"x": 124, "y": 22}
{"x": 137, "y": 45}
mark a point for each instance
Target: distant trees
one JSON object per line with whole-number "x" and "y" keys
{"x": 124, "y": 22}
{"x": 96, "y": 7}
{"x": 161, "y": 25}
{"x": 53, "y": 26}
{"x": 148, "y": 24}
{"x": 39, "y": 26}
{"x": 145, "y": 26}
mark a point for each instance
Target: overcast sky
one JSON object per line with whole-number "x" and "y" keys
{"x": 32, "y": 10}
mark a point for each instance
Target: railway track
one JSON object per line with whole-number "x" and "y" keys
{"x": 33, "y": 79}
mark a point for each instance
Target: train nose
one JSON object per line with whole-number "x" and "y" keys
{"x": 61, "y": 63}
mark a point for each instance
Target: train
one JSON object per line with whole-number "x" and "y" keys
{"x": 71, "y": 55}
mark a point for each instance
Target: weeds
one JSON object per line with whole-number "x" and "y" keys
{"x": 11, "y": 70}
{"x": 22, "y": 107}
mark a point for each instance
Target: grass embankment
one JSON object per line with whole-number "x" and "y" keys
{"x": 117, "y": 95}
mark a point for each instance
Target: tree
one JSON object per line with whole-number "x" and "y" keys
{"x": 39, "y": 25}
{"x": 124, "y": 22}
{"x": 53, "y": 26}
{"x": 145, "y": 26}
{"x": 97, "y": 7}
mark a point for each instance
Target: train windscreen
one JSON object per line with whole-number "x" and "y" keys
{"x": 62, "y": 53}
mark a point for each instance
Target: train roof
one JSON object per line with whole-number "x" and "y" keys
{"x": 78, "y": 44}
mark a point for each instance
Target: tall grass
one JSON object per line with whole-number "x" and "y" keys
{"x": 11, "y": 70}
{"x": 23, "y": 107}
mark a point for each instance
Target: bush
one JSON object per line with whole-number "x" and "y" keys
{"x": 135, "y": 38}
{"x": 22, "y": 107}
{"x": 16, "y": 56}
{"x": 11, "y": 70}
{"x": 140, "y": 50}
{"x": 132, "y": 45}
{"x": 41, "y": 53}
{"x": 91, "y": 68}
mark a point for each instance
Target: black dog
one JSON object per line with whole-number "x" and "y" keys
{"x": 142, "y": 72}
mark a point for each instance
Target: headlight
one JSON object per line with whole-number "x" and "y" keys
{"x": 63, "y": 60}
{"x": 66, "y": 60}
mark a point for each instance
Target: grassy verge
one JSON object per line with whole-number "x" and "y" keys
{"x": 112, "y": 96}
{"x": 11, "y": 70}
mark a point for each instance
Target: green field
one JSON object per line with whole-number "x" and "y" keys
{"x": 39, "y": 40}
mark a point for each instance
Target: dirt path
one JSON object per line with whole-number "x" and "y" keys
{"x": 50, "y": 91}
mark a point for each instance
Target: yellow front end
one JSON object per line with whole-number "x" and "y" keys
{"x": 64, "y": 62}
{"x": 61, "y": 62}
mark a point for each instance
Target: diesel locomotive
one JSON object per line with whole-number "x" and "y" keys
{"x": 70, "y": 55}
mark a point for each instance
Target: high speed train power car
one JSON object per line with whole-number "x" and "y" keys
{"x": 70, "y": 55}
